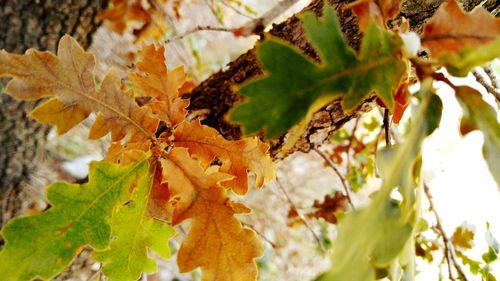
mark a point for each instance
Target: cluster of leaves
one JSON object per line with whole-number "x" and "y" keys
{"x": 149, "y": 176}
{"x": 304, "y": 86}
{"x": 162, "y": 167}
{"x": 144, "y": 17}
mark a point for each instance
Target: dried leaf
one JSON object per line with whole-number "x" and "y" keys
{"x": 463, "y": 237}
{"x": 237, "y": 157}
{"x": 451, "y": 29}
{"x": 123, "y": 14}
{"x": 184, "y": 176}
{"x": 153, "y": 80}
{"x": 69, "y": 78}
{"x": 329, "y": 206}
{"x": 216, "y": 241}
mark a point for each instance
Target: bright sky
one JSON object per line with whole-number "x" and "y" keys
{"x": 463, "y": 187}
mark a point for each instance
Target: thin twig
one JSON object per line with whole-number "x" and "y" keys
{"x": 349, "y": 145}
{"x": 489, "y": 88}
{"x": 387, "y": 126}
{"x": 252, "y": 27}
{"x": 345, "y": 184}
{"x": 273, "y": 244}
{"x": 196, "y": 29}
{"x": 296, "y": 210}
{"x": 448, "y": 247}
{"x": 236, "y": 10}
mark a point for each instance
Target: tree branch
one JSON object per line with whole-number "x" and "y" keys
{"x": 216, "y": 94}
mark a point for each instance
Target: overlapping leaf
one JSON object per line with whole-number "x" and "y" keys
{"x": 479, "y": 115}
{"x": 155, "y": 81}
{"x": 43, "y": 244}
{"x": 284, "y": 96}
{"x": 135, "y": 231}
{"x": 461, "y": 41}
{"x": 237, "y": 157}
{"x": 390, "y": 223}
{"x": 69, "y": 79}
{"x": 451, "y": 29}
{"x": 216, "y": 242}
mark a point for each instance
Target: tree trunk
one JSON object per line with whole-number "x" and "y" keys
{"x": 33, "y": 24}
{"x": 40, "y": 25}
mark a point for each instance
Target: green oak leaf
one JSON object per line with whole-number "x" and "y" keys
{"x": 462, "y": 62}
{"x": 390, "y": 223}
{"x": 480, "y": 115}
{"x": 294, "y": 84}
{"x": 135, "y": 231}
{"x": 44, "y": 244}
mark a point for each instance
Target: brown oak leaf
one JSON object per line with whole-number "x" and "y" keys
{"x": 154, "y": 80}
{"x": 69, "y": 80}
{"x": 451, "y": 29}
{"x": 237, "y": 157}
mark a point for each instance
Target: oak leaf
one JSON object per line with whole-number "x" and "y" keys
{"x": 43, "y": 244}
{"x": 154, "y": 80}
{"x": 70, "y": 80}
{"x": 451, "y": 29}
{"x": 216, "y": 242}
{"x": 237, "y": 157}
{"x": 135, "y": 232}
{"x": 285, "y": 96}
{"x": 184, "y": 177}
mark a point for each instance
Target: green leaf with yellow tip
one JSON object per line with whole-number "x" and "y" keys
{"x": 293, "y": 83}
{"x": 135, "y": 231}
{"x": 42, "y": 245}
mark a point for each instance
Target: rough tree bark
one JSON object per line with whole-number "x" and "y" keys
{"x": 215, "y": 96}
{"x": 34, "y": 24}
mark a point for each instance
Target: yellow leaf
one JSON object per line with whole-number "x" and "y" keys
{"x": 153, "y": 80}
{"x": 237, "y": 157}
{"x": 69, "y": 78}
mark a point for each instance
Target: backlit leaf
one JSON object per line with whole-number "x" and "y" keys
{"x": 451, "y": 29}
{"x": 482, "y": 116}
{"x": 135, "y": 232}
{"x": 390, "y": 223}
{"x": 70, "y": 80}
{"x": 44, "y": 244}
{"x": 294, "y": 83}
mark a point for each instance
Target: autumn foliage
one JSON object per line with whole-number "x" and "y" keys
{"x": 164, "y": 167}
